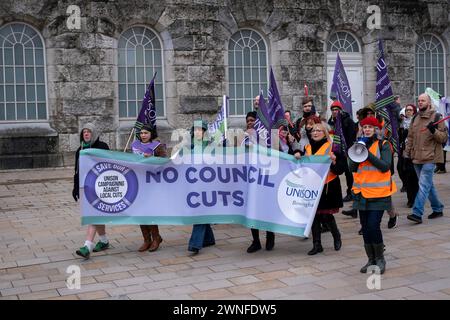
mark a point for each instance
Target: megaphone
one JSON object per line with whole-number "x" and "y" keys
{"x": 358, "y": 152}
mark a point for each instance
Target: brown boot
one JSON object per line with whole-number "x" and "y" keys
{"x": 147, "y": 238}
{"x": 156, "y": 238}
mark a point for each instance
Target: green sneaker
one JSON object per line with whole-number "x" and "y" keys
{"x": 84, "y": 252}
{"x": 100, "y": 246}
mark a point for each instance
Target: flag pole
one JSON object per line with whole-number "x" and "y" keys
{"x": 225, "y": 108}
{"x": 129, "y": 138}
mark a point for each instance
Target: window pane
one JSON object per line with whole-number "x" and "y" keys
{"x": 122, "y": 109}
{"x": 40, "y": 93}
{"x": 140, "y": 75}
{"x": 10, "y": 111}
{"x": 262, "y": 58}
{"x": 132, "y": 106}
{"x": 130, "y": 75}
{"x": 21, "y": 115}
{"x": 8, "y": 52}
{"x": 159, "y": 91}
{"x": 29, "y": 59}
{"x": 39, "y": 55}
{"x": 20, "y": 93}
{"x": 10, "y": 93}
{"x": 9, "y": 75}
{"x": 240, "y": 107}
{"x": 141, "y": 90}
{"x": 40, "y": 75}
{"x": 247, "y": 75}
{"x": 239, "y": 91}
{"x": 122, "y": 92}
{"x": 42, "y": 113}
{"x": 159, "y": 75}
{"x": 29, "y": 73}
{"x": 130, "y": 57}
{"x": 131, "y": 92}
{"x": 139, "y": 56}
{"x": 2, "y": 111}
{"x": 157, "y": 54}
{"x": 148, "y": 57}
{"x": 122, "y": 75}
{"x": 122, "y": 57}
{"x": 31, "y": 110}
{"x": 31, "y": 96}
{"x": 18, "y": 54}
{"x": 20, "y": 75}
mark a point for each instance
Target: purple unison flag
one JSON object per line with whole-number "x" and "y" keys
{"x": 340, "y": 88}
{"x": 147, "y": 115}
{"x": 384, "y": 100}
{"x": 268, "y": 115}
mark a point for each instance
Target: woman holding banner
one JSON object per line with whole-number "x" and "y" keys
{"x": 372, "y": 190}
{"x": 148, "y": 145}
{"x": 202, "y": 234}
{"x": 287, "y": 144}
{"x": 331, "y": 198}
{"x": 89, "y": 138}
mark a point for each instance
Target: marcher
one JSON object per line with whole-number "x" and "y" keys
{"x": 331, "y": 198}
{"x": 372, "y": 190}
{"x": 288, "y": 144}
{"x": 148, "y": 145}
{"x": 202, "y": 234}
{"x": 405, "y": 166}
{"x": 424, "y": 148}
{"x": 89, "y": 138}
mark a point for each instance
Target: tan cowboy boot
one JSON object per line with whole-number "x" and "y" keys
{"x": 147, "y": 238}
{"x": 156, "y": 238}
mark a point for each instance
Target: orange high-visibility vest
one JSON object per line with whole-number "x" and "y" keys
{"x": 370, "y": 181}
{"x": 325, "y": 149}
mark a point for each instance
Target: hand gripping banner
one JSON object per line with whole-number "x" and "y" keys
{"x": 257, "y": 187}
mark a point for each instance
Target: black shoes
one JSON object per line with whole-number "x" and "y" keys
{"x": 350, "y": 213}
{"x": 392, "y": 223}
{"x": 270, "y": 241}
{"x": 347, "y": 198}
{"x": 337, "y": 244}
{"x": 435, "y": 215}
{"x": 255, "y": 246}
{"x": 317, "y": 247}
{"x": 414, "y": 218}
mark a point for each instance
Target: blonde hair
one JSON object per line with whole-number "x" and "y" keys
{"x": 325, "y": 128}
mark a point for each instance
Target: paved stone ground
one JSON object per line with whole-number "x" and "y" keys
{"x": 40, "y": 231}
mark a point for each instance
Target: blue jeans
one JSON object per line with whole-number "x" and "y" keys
{"x": 370, "y": 223}
{"x": 202, "y": 236}
{"x": 426, "y": 190}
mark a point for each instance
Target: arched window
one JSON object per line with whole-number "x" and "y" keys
{"x": 342, "y": 42}
{"x": 247, "y": 70}
{"x": 429, "y": 65}
{"x": 23, "y": 94}
{"x": 140, "y": 56}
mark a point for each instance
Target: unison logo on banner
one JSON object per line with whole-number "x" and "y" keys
{"x": 110, "y": 187}
{"x": 294, "y": 196}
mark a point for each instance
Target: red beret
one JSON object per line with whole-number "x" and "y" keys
{"x": 371, "y": 121}
{"x": 336, "y": 104}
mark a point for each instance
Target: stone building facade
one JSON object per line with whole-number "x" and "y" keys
{"x": 85, "y": 70}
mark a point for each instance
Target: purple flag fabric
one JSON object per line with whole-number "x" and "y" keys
{"x": 340, "y": 88}
{"x": 268, "y": 115}
{"x": 147, "y": 115}
{"x": 339, "y": 144}
{"x": 384, "y": 100}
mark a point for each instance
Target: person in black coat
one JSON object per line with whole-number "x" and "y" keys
{"x": 331, "y": 199}
{"x": 89, "y": 138}
{"x": 349, "y": 131}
